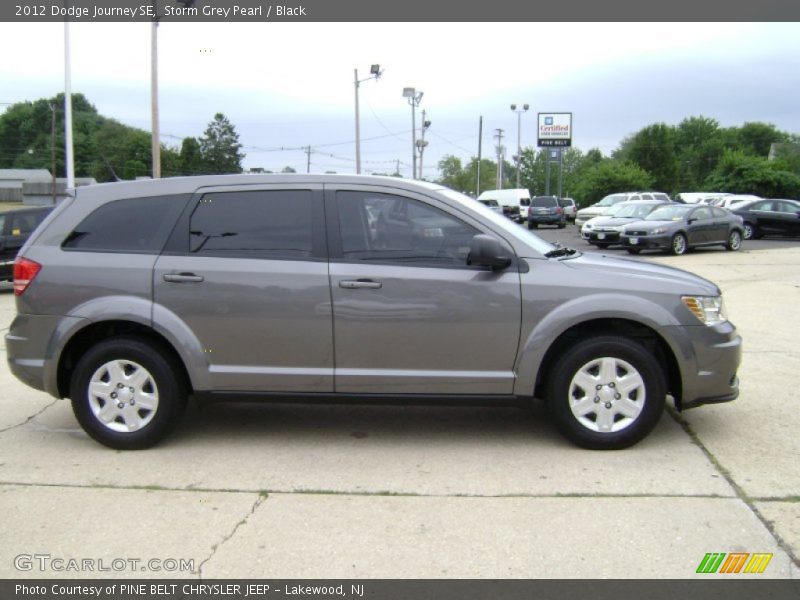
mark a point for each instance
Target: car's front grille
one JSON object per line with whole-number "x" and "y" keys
{"x": 635, "y": 232}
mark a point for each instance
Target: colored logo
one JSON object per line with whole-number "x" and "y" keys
{"x": 735, "y": 562}
{"x": 548, "y": 120}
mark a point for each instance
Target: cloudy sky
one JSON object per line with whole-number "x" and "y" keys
{"x": 291, "y": 85}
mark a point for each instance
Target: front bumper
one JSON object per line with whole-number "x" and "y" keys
{"x": 646, "y": 242}
{"x": 711, "y": 377}
{"x": 603, "y": 237}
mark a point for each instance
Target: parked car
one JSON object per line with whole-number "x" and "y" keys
{"x": 678, "y": 227}
{"x": 769, "y": 217}
{"x": 546, "y": 210}
{"x": 570, "y": 208}
{"x": 15, "y": 227}
{"x": 515, "y": 202}
{"x": 493, "y": 205}
{"x": 132, "y": 296}
{"x": 601, "y": 208}
{"x": 699, "y": 197}
{"x": 605, "y": 231}
{"x": 730, "y": 201}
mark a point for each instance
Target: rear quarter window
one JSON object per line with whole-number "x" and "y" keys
{"x": 131, "y": 225}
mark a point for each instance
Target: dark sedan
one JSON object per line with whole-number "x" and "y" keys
{"x": 678, "y": 227}
{"x": 769, "y": 217}
{"x": 15, "y": 227}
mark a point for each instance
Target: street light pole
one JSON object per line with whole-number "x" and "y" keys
{"x": 518, "y": 157}
{"x": 155, "y": 138}
{"x": 414, "y": 98}
{"x": 421, "y": 143}
{"x": 374, "y": 72}
{"x": 68, "y": 148}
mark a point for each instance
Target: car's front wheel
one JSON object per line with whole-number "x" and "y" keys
{"x": 126, "y": 393}
{"x": 679, "y": 245}
{"x": 633, "y": 250}
{"x": 606, "y": 393}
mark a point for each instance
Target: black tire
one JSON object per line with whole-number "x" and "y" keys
{"x": 734, "y": 242}
{"x": 535, "y": 225}
{"x": 633, "y": 250}
{"x": 164, "y": 381}
{"x": 562, "y": 225}
{"x": 751, "y": 231}
{"x": 530, "y": 225}
{"x": 602, "y": 246}
{"x": 679, "y": 245}
{"x": 648, "y": 397}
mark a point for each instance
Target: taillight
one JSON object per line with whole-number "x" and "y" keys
{"x": 559, "y": 210}
{"x": 25, "y": 271}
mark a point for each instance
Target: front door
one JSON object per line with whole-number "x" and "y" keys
{"x": 410, "y": 316}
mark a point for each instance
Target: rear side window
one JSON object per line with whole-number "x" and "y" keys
{"x": 257, "y": 224}
{"x": 544, "y": 201}
{"x": 132, "y": 225}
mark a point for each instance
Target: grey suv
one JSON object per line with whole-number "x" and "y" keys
{"x": 132, "y": 296}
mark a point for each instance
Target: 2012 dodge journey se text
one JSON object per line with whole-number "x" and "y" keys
{"x": 132, "y": 296}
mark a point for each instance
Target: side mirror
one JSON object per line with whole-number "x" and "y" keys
{"x": 690, "y": 221}
{"x": 487, "y": 251}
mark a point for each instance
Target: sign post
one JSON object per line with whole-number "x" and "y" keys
{"x": 555, "y": 133}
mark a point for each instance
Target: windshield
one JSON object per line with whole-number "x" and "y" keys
{"x": 633, "y": 211}
{"x": 611, "y": 200}
{"x": 500, "y": 222}
{"x": 669, "y": 213}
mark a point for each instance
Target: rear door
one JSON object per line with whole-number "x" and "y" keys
{"x": 410, "y": 316}
{"x": 246, "y": 270}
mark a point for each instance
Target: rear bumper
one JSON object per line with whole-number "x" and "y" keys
{"x": 546, "y": 219}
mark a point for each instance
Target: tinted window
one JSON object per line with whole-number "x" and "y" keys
{"x": 383, "y": 227}
{"x": 263, "y": 224}
{"x": 718, "y": 213}
{"x": 135, "y": 225}
{"x": 544, "y": 201}
{"x": 761, "y": 206}
{"x": 566, "y": 203}
{"x": 702, "y": 213}
{"x": 669, "y": 212}
{"x": 662, "y": 197}
{"x": 23, "y": 223}
{"x": 2, "y": 223}
{"x": 786, "y": 207}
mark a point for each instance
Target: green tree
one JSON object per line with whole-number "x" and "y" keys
{"x": 756, "y": 138}
{"x": 653, "y": 149}
{"x": 288, "y": 169}
{"x": 739, "y": 172}
{"x": 220, "y": 147}
{"x": 191, "y": 157}
{"x": 611, "y": 176}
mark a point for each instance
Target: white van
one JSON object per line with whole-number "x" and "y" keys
{"x": 515, "y": 202}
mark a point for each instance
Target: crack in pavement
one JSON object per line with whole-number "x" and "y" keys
{"x": 738, "y": 490}
{"x": 259, "y": 501}
{"x": 29, "y": 419}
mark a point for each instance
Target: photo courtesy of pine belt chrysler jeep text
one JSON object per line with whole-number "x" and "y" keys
{"x": 133, "y": 296}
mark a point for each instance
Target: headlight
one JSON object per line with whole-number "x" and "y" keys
{"x": 658, "y": 231}
{"x": 710, "y": 310}
{"x": 587, "y": 226}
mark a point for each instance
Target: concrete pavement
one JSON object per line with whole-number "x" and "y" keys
{"x": 313, "y": 491}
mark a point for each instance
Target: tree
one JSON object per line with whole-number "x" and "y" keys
{"x": 741, "y": 173}
{"x": 191, "y": 157}
{"x": 653, "y": 149}
{"x": 611, "y": 176}
{"x": 220, "y": 147}
{"x": 288, "y": 169}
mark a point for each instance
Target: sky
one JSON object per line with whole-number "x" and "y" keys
{"x": 291, "y": 85}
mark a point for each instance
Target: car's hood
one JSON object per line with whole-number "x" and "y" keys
{"x": 612, "y": 221}
{"x": 629, "y": 273}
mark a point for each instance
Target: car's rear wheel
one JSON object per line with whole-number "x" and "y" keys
{"x": 603, "y": 246}
{"x": 633, "y": 250}
{"x": 562, "y": 225}
{"x": 749, "y": 231}
{"x": 678, "y": 245}
{"x": 530, "y": 225}
{"x": 126, "y": 393}
{"x": 606, "y": 393}
{"x": 734, "y": 240}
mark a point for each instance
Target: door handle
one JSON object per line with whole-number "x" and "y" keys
{"x": 360, "y": 284}
{"x": 183, "y": 278}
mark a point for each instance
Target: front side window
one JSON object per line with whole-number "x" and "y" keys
{"x": 387, "y": 228}
{"x": 701, "y": 214}
{"x": 257, "y": 224}
{"x": 131, "y": 225}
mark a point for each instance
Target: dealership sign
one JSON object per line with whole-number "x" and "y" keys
{"x": 555, "y": 129}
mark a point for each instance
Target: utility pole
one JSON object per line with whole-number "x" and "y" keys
{"x": 308, "y": 158}
{"x": 155, "y": 143}
{"x": 397, "y": 166}
{"x": 374, "y": 71}
{"x": 421, "y": 143}
{"x": 518, "y": 157}
{"x": 53, "y": 148}
{"x": 500, "y": 151}
{"x": 480, "y": 143}
{"x": 560, "y": 170}
{"x": 414, "y": 98}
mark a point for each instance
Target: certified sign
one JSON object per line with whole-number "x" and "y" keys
{"x": 555, "y": 129}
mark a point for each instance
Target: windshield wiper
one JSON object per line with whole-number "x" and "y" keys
{"x": 560, "y": 252}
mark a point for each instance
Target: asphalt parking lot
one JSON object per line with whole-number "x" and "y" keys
{"x": 281, "y": 491}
